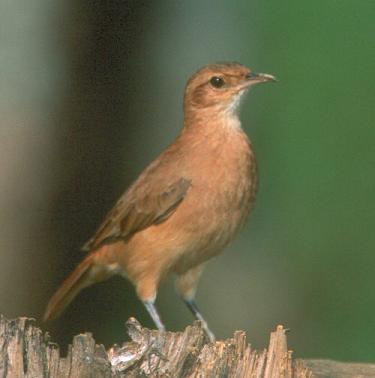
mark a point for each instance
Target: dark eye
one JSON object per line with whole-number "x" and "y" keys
{"x": 217, "y": 81}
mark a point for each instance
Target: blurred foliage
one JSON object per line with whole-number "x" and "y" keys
{"x": 91, "y": 92}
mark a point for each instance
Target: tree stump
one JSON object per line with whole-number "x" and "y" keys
{"x": 25, "y": 351}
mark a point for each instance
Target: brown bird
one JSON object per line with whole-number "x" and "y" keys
{"x": 186, "y": 206}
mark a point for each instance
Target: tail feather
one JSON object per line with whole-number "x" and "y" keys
{"x": 76, "y": 281}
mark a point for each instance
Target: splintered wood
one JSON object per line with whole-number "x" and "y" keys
{"x": 26, "y": 352}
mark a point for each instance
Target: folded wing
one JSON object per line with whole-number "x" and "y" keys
{"x": 151, "y": 200}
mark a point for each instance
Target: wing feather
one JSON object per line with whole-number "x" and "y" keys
{"x": 139, "y": 208}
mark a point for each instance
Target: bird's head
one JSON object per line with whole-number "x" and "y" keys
{"x": 219, "y": 87}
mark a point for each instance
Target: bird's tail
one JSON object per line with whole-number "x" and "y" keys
{"x": 86, "y": 273}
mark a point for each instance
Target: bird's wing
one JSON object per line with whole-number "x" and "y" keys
{"x": 150, "y": 200}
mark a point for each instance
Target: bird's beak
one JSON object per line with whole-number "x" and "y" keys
{"x": 256, "y": 78}
{"x": 260, "y": 77}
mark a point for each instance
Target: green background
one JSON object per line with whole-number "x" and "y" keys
{"x": 92, "y": 91}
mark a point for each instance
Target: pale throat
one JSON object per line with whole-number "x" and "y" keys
{"x": 230, "y": 113}
{"x": 225, "y": 114}
{"x": 231, "y": 121}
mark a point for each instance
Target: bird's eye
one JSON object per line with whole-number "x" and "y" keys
{"x": 217, "y": 81}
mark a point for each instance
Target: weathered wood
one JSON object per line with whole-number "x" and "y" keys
{"x": 25, "y": 351}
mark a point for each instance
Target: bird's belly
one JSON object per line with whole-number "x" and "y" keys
{"x": 203, "y": 225}
{"x": 214, "y": 221}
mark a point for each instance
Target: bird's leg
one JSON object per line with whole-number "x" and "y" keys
{"x": 152, "y": 310}
{"x": 186, "y": 286}
{"x": 197, "y": 314}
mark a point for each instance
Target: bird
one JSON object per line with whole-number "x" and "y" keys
{"x": 187, "y": 204}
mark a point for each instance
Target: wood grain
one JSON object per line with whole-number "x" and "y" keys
{"x": 25, "y": 351}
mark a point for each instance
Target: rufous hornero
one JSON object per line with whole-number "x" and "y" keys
{"x": 186, "y": 206}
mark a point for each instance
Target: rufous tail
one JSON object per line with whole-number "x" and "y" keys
{"x": 80, "y": 278}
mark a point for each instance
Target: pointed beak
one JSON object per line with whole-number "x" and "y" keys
{"x": 253, "y": 78}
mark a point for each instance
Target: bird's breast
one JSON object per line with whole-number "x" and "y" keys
{"x": 224, "y": 183}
